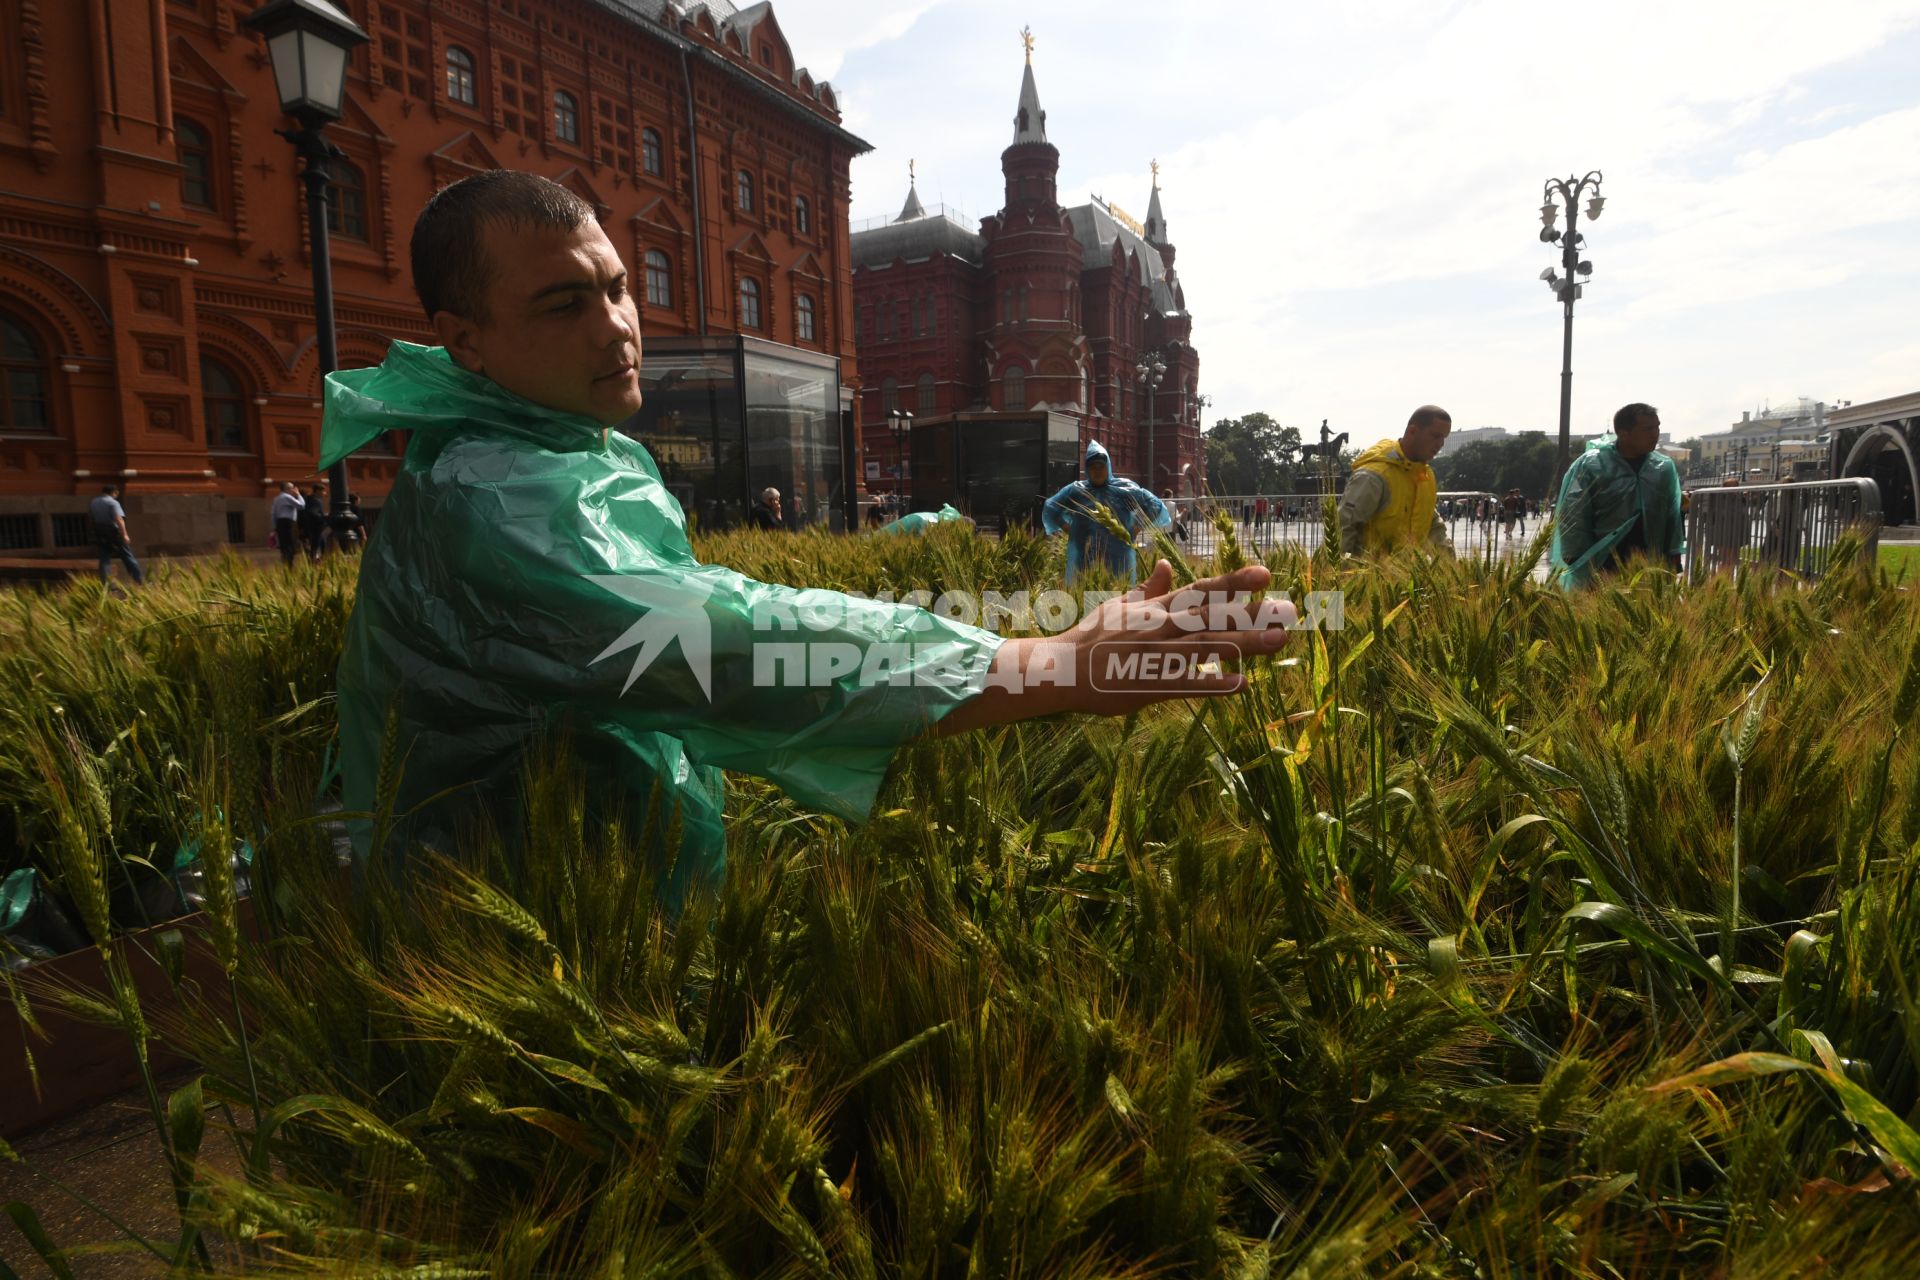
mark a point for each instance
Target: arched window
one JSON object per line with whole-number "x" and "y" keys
{"x": 566, "y": 117}
{"x": 224, "y": 405}
{"x": 889, "y": 395}
{"x": 802, "y": 216}
{"x": 347, "y": 211}
{"x": 196, "y": 163}
{"x": 803, "y": 318}
{"x": 925, "y": 388}
{"x": 743, "y": 191}
{"x": 23, "y": 370}
{"x": 749, "y": 304}
{"x": 459, "y": 75}
{"x": 659, "y": 279}
{"x": 650, "y": 152}
{"x": 1013, "y": 388}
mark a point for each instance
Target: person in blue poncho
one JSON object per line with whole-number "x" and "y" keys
{"x": 1071, "y": 511}
{"x": 1620, "y": 498}
{"x": 531, "y": 584}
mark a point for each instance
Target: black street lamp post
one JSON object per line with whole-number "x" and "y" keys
{"x": 1150, "y": 372}
{"x": 901, "y": 423}
{"x": 308, "y": 43}
{"x": 1567, "y": 288}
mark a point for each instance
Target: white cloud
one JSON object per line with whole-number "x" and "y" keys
{"x": 1351, "y": 187}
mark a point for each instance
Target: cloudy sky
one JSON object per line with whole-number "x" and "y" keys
{"x": 1353, "y": 188}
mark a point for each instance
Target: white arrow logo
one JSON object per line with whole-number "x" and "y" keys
{"x": 675, "y": 611}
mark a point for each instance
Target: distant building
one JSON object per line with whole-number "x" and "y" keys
{"x": 1786, "y": 442}
{"x": 1044, "y": 308}
{"x": 1461, "y": 438}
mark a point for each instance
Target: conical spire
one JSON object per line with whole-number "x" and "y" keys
{"x": 1156, "y": 221}
{"x": 912, "y": 208}
{"x": 1029, "y": 122}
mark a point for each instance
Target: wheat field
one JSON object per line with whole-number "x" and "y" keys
{"x": 1500, "y": 933}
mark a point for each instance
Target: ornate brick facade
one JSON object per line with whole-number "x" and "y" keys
{"x": 154, "y": 254}
{"x": 1044, "y": 307}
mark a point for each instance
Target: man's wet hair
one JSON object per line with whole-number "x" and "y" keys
{"x": 1629, "y": 416}
{"x": 1428, "y": 414}
{"x": 450, "y": 269}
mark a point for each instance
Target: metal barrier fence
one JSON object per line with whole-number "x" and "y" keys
{"x": 1473, "y": 522}
{"x": 1789, "y": 526}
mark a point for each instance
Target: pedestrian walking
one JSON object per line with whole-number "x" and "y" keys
{"x": 312, "y": 520}
{"x": 109, "y": 522}
{"x": 286, "y": 521}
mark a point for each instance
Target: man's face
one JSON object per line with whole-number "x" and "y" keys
{"x": 1638, "y": 440}
{"x": 1097, "y": 471}
{"x": 1421, "y": 443}
{"x": 562, "y": 330}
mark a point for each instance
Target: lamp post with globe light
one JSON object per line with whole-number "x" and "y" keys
{"x": 1567, "y": 288}
{"x": 901, "y": 423}
{"x": 1150, "y": 373}
{"x": 308, "y": 43}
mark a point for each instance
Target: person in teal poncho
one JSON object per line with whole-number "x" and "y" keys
{"x": 1070, "y": 510}
{"x": 1619, "y": 498}
{"x": 531, "y": 578}
{"x": 921, "y": 521}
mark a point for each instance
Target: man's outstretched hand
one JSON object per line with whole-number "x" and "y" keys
{"x": 1116, "y": 659}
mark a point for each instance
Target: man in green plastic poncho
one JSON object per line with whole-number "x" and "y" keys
{"x": 921, "y": 521}
{"x": 1620, "y": 498}
{"x": 531, "y": 578}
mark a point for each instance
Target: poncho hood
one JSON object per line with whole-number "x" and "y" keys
{"x": 1386, "y": 454}
{"x": 421, "y": 390}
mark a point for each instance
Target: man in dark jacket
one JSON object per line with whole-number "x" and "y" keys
{"x": 313, "y": 523}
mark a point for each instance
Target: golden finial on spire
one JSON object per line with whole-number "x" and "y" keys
{"x": 1026, "y": 38}
{"x": 1155, "y": 166}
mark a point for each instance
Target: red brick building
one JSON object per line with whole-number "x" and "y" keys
{"x": 1043, "y": 308}
{"x": 155, "y": 288}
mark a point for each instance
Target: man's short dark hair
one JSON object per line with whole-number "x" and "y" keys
{"x": 450, "y": 271}
{"x": 1630, "y": 415}
{"x": 1427, "y": 414}
{"x": 110, "y": 488}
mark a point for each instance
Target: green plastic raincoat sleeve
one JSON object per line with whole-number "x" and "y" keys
{"x": 569, "y": 585}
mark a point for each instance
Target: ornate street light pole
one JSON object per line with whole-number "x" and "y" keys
{"x": 1201, "y": 403}
{"x": 1150, "y": 373}
{"x": 1567, "y": 288}
{"x": 901, "y": 423}
{"x": 308, "y": 42}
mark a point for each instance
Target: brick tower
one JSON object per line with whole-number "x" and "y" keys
{"x": 1035, "y": 349}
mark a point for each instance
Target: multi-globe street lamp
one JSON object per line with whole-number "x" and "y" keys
{"x": 308, "y": 43}
{"x": 1150, "y": 373}
{"x": 1567, "y": 288}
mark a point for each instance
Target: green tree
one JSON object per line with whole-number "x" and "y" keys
{"x": 1252, "y": 454}
{"x": 1523, "y": 462}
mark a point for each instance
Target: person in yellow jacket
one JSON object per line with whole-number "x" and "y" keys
{"x": 1388, "y": 503}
